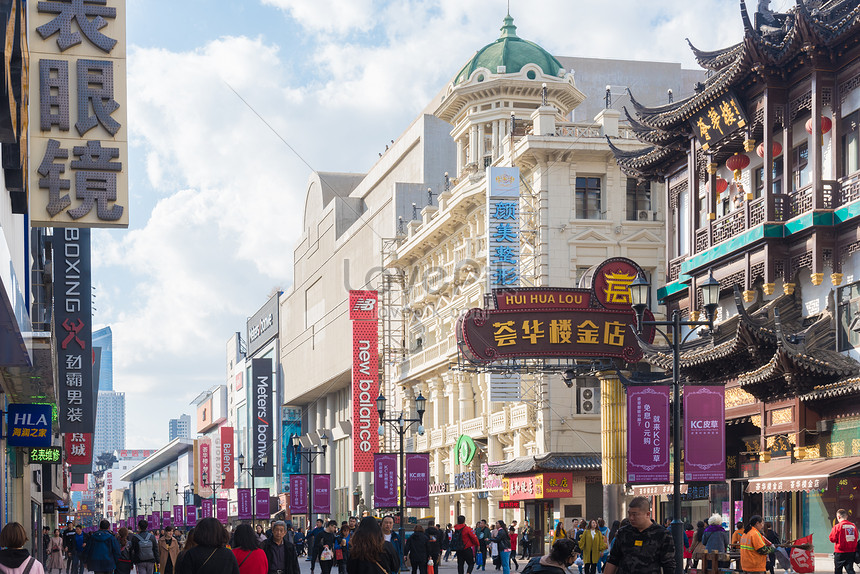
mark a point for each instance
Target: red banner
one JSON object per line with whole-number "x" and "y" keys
{"x": 802, "y": 561}
{"x": 365, "y": 389}
{"x": 227, "y": 458}
{"x": 538, "y": 486}
{"x": 79, "y": 448}
{"x": 704, "y": 433}
{"x": 204, "y": 466}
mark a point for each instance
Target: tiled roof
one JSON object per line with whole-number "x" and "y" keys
{"x": 549, "y": 462}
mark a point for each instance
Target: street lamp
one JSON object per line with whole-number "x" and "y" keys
{"x": 214, "y": 486}
{"x": 309, "y": 455}
{"x": 401, "y": 425}
{"x": 639, "y": 290}
{"x": 160, "y": 502}
{"x": 241, "y": 460}
{"x": 142, "y": 504}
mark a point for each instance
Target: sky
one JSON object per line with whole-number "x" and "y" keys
{"x": 233, "y": 104}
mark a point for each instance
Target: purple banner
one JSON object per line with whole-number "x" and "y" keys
{"x": 177, "y": 515}
{"x": 150, "y": 522}
{"x": 384, "y": 480}
{"x": 298, "y": 494}
{"x": 647, "y": 434}
{"x": 156, "y": 518}
{"x": 191, "y": 516}
{"x": 243, "y": 498}
{"x": 322, "y": 494}
{"x": 417, "y": 480}
{"x": 221, "y": 510}
{"x": 262, "y": 503}
{"x": 166, "y": 519}
{"x": 206, "y": 508}
{"x": 704, "y": 433}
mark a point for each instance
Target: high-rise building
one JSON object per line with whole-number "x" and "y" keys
{"x": 110, "y": 423}
{"x": 179, "y": 428}
{"x": 104, "y": 338}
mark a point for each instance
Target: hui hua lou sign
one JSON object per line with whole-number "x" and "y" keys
{"x": 548, "y": 322}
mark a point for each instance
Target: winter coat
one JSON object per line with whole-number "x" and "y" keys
{"x": 715, "y": 538}
{"x": 503, "y": 539}
{"x": 15, "y": 560}
{"x": 543, "y": 565}
{"x": 418, "y": 548}
{"x": 592, "y": 546}
{"x": 102, "y": 552}
{"x": 207, "y": 560}
{"x": 253, "y": 562}
{"x": 165, "y": 552}
{"x": 55, "y": 554}
{"x": 291, "y": 561}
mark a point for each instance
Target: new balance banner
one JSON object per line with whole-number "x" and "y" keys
{"x": 262, "y": 503}
{"x": 648, "y": 434}
{"x": 221, "y": 510}
{"x": 191, "y": 516}
{"x": 243, "y": 503}
{"x": 417, "y": 480}
{"x": 263, "y": 422}
{"x": 206, "y": 510}
{"x": 365, "y": 389}
{"x": 298, "y": 494}
{"x": 177, "y": 515}
{"x": 385, "y": 480}
{"x": 322, "y": 493}
{"x": 704, "y": 433}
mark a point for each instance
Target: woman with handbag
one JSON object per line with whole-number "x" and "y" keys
{"x": 124, "y": 564}
{"x": 251, "y": 558}
{"x": 55, "y": 552}
{"x": 209, "y": 554}
{"x": 341, "y": 547}
{"x": 367, "y": 552}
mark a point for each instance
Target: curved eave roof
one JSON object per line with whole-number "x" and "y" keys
{"x": 717, "y": 59}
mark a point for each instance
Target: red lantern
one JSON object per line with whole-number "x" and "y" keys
{"x": 826, "y": 125}
{"x": 776, "y": 148}
{"x": 736, "y": 163}
{"x": 722, "y": 185}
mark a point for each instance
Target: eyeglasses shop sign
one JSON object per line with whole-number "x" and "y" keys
{"x": 263, "y": 326}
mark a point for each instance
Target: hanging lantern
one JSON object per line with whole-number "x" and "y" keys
{"x": 736, "y": 163}
{"x": 722, "y": 185}
{"x": 826, "y": 125}
{"x": 776, "y": 148}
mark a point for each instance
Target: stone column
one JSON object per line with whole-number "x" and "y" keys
{"x": 467, "y": 398}
{"x": 495, "y": 140}
{"x": 481, "y": 150}
{"x": 473, "y": 144}
{"x": 613, "y": 428}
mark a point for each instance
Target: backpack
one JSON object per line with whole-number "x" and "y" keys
{"x": 144, "y": 545}
{"x": 457, "y": 540}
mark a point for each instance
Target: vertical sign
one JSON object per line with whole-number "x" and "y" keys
{"x": 221, "y": 510}
{"x": 503, "y": 256}
{"x": 243, "y": 503}
{"x": 363, "y": 312}
{"x": 648, "y": 434}
{"x": 204, "y": 466}
{"x": 298, "y": 494}
{"x": 417, "y": 480}
{"x": 385, "y": 480}
{"x": 263, "y": 411}
{"x": 177, "y": 515}
{"x": 291, "y": 425}
{"x": 261, "y": 503}
{"x": 73, "y": 326}
{"x": 322, "y": 494}
{"x": 79, "y": 448}
{"x": 79, "y": 142}
{"x": 206, "y": 508}
{"x": 166, "y": 519}
{"x": 190, "y": 516}
{"x": 704, "y": 433}
{"x": 227, "y": 469}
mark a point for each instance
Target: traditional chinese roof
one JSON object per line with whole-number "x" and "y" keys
{"x": 549, "y": 462}
{"x": 833, "y": 391}
{"x": 718, "y": 59}
{"x": 651, "y": 135}
{"x": 638, "y": 162}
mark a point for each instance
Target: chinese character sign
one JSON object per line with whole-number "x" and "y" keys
{"x": 298, "y": 494}
{"x": 704, "y": 433}
{"x": 206, "y": 508}
{"x": 385, "y": 480}
{"x": 719, "y": 119}
{"x": 221, "y": 510}
{"x": 190, "y": 516}
{"x": 46, "y": 455}
{"x": 648, "y": 433}
{"x": 79, "y": 448}
{"x": 503, "y": 227}
{"x": 243, "y": 503}
{"x": 365, "y": 389}
{"x": 73, "y": 326}
{"x": 417, "y": 480}
{"x": 29, "y": 425}
{"x": 79, "y": 139}
{"x": 321, "y": 484}
{"x": 262, "y": 502}
{"x": 177, "y": 515}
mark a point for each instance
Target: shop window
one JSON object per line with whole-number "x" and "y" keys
{"x": 851, "y": 143}
{"x": 800, "y": 166}
{"x": 848, "y": 317}
{"x": 638, "y": 200}
{"x": 588, "y": 198}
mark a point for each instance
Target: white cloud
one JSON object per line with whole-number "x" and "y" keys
{"x": 329, "y": 15}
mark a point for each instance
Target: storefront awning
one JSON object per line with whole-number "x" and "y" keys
{"x": 803, "y": 476}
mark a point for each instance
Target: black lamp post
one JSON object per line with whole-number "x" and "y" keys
{"x": 160, "y": 502}
{"x": 189, "y": 488}
{"x": 142, "y": 504}
{"x": 309, "y": 455}
{"x": 241, "y": 460}
{"x": 214, "y": 486}
{"x": 639, "y": 290}
{"x": 401, "y": 424}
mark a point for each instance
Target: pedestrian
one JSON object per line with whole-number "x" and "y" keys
{"x": 642, "y": 546}
{"x": 715, "y": 538}
{"x": 280, "y": 552}
{"x": 311, "y": 543}
{"x": 69, "y": 545}
{"x": 46, "y": 542}
{"x": 773, "y": 537}
{"x": 250, "y": 557}
{"x": 209, "y": 554}
{"x": 341, "y": 547}
{"x": 417, "y": 550}
{"x": 503, "y": 539}
{"x": 512, "y": 534}
{"x": 483, "y": 533}
{"x": 446, "y": 540}
{"x": 844, "y": 537}
{"x": 299, "y": 541}
{"x": 464, "y": 542}
{"x": 493, "y": 547}
{"x": 696, "y": 546}
{"x": 124, "y": 564}
{"x": 353, "y": 523}
{"x": 324, "y": 547}
{"x": 14, "y": 558}
{"x": 560, "y": 557}
{"x": 144, "y": 549}
{"x": 392, "y": 537}
{"x": 613, "y": 530}
{"x": 55, "y": 552}
{"x": 368, "y": 554}
{"x": 79, "y": 542}
{"x": 260, "y": 535}
{"x": 168, "y": 552}
{"x": 434, "y": 533}
{"x": 559, "y": 532}
{"x": 526, "y": 540}
{"x": 754, "y": 547}
{"x": 102, "y": 551}
{"x": 592, "y": 544}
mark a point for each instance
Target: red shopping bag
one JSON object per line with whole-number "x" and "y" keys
{"x": 430, "y": 567}
{"x": 803, "y": 561}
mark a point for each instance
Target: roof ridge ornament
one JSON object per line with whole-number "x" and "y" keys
{"x": 508, "y": 29}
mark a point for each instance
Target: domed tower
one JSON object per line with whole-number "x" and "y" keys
{"x": 503, "y": 83}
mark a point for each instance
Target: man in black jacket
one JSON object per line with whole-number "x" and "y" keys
{"x": 324, "y": 540}
{"x": 69, "y": 545}
{"x": 643, "y": 546}
{"x": 280, "y": 551}
{"x": 417, "y": 550}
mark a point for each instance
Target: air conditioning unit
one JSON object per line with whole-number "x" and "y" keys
{"x": 824, "y": 426}
{"x": 589, "y": 400}
{"x": 645, "y": 215}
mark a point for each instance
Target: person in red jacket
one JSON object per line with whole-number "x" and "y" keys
{"x": 464, "y": 542}
{"x": 251, "y": 558}
{"x": 844, "y": 536}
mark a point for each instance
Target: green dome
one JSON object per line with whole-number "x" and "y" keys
{"x": 512, "y": 52}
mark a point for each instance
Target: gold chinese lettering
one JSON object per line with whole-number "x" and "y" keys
{"x": 715, "y": 120}
{"x": 613, "y": 333}
{"x": 703, "y": 129}
{"x": 617, "y": 288}
{"x": 559, "y": 331}
{"x": 728, "y": 113}
{"x": 587, "y": 333}
{"x": 504, "y": 333}
{"x": 533, "y": 331}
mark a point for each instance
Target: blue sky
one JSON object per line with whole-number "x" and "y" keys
{"x": 217, "y": 197}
